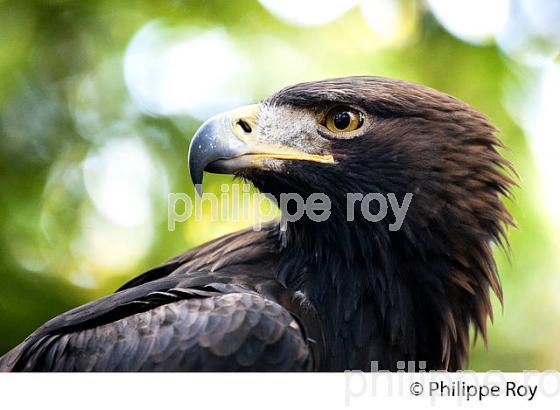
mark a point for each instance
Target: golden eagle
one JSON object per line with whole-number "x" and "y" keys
{"x": 326, "y": 296}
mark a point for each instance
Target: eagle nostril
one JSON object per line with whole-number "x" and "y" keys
{"x": 245, "y": 126}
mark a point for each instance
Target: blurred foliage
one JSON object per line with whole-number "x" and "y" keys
{"x": 67, "y": 113}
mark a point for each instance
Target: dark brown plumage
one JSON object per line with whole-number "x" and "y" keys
{"x": 333, "y": 295}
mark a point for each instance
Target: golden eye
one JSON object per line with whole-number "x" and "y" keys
{"x": 344, "y": 119}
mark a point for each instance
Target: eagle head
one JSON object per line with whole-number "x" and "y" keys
{"x": 377, "y": 135}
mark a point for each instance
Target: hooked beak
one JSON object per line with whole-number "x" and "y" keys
{"x": 227, "y": 143}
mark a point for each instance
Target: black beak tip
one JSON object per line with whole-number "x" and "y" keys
{"x": 214, "y": 141}
{"x": 196, "y": 175}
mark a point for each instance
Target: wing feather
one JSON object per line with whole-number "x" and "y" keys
{"x": 234, "y": 331}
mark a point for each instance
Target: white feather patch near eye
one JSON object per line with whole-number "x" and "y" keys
{"x": 291, "y": 126}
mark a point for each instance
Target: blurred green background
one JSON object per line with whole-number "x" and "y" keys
{"x": 98, "y": 100}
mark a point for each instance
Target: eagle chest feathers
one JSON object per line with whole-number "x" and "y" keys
{"x": 305, "y": 295}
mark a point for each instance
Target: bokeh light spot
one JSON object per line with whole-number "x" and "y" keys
{"x": 171, "y": 71}
{"x": 474, "y": 21}
{"x": 308, "y": 12}
{"x": 118, "y": 178}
